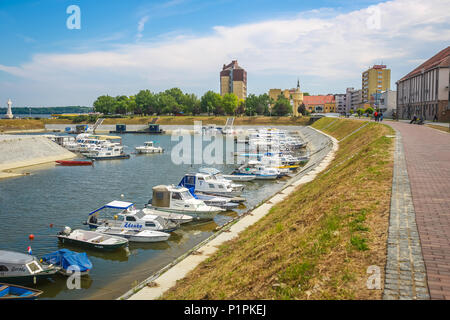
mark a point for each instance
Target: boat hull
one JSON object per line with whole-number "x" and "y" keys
{"x": 196, "y": 215}
{"x": 74, "y": 163}
{"x": 93, "y": 246}
{"x": 125, "y": 156}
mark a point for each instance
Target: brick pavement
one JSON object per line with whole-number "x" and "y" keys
{"x": 427, "y": 154}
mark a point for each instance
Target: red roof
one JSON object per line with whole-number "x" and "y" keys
{"x": 440, "y": 59}
{"x": 318, "y": 99}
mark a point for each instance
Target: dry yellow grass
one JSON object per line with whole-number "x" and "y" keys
{"x": 20, "y": 124}
{"x": 318, "y": 243}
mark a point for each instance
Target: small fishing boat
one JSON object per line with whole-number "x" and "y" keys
{"x": 178, "y": 218}
{"x": 149, "y": 147}
{"x": 216, "y": 201}
{"x": 135, "y": 235}
{"x": 131, "y": 218}
{"x": 91, "y": 239}
{"x": 74, "y": 162}
{"x": 180, "y": 200}
{"x": 15, "y": 292}
{"x": 65, "y": 258}
{"x": 16, "y": 267}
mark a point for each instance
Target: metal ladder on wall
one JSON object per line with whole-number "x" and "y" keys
{"x": 97, "y": 124}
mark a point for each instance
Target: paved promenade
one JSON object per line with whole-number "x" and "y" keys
{"x": 427, "y": 155}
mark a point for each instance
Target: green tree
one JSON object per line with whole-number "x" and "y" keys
{"x": 105, "y": 105}
{"x": 302, "y": 109}
{"x": 146, "y": 103}
{"x": 369, "y": 110}
{"x": 360, "y": 111}
{"x": 121, "y": 104}
{"x": 241, "y": 107}
{"x": 211, "y": 101}
{"x": 230, "y": 102}
{"x": 282, "y": 107}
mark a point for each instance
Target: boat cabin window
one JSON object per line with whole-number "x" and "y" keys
{"x": 33, "y": 267}
{"x": 220, "y": 186}
{"x": 3, "y": 269}
{"x": 190, "y": 180}
{"x": 201, "y": 179}
{"x": 150, "y": 224}
{"x": 207, "y": 178}
{"x": 130, "y": 219}
{"x": 176, "y": 196}
{"x": 211, "y": 185}
{"x": 159, "y": 195}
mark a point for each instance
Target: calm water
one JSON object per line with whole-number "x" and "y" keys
{"x": 65, "y": 195}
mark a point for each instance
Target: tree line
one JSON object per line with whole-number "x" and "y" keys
{"x": 174, "y": 101}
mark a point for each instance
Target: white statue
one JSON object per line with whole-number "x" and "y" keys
{"x": 9, "y": 114}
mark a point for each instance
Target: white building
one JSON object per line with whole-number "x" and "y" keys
{"x": 353, "y": 99}
{"x": 388, "y": 103}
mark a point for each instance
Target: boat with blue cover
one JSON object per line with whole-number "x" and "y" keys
{"x": 69, "y": 261}
{"x": 15, "y": 292}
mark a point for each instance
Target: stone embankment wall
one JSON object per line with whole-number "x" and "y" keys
{"x": 22, "y": 151}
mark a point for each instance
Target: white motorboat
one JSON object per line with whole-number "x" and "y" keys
{"x": 210, "y": 184}
{"x": 130, "y": 218}
{"x": 170, "y": 198}
{"x": 149, "y": 147}
{"x": 135, "y": 235}
{"x": 109, "y": 152}
{"x": 260, "y": 171}
{"x": 91, "y": 239}
{"x": 172, "y": 216}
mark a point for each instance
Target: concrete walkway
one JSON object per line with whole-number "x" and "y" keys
{"x": 427, "y": 155}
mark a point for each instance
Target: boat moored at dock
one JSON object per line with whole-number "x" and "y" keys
{"x": 91, "y": 240}
{"x": 69, "y": 261}
{"x": 135, "y": 235}
{"x": 130, "y": 218}
{"x": 15, "y": 292}
{"x": 16, "y": 267}
{"x": 178, "y": 199}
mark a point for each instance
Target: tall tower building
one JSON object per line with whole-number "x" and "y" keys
{"x": 233, "y": 79}
{"x": 374, "y": 81}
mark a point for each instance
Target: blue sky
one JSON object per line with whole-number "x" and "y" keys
{"x": 125, "y": 46}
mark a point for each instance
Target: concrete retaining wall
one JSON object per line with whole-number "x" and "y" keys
{"x": 22, "y": 151}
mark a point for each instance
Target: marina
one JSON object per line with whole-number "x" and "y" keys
{"x": 113, "y": 273}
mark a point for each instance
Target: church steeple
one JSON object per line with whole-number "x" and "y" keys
{"x": 298, "y": 83}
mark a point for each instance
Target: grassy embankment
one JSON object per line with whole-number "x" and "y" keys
{"x": 319, "y": 242}
{"x": 440, "y": 128}
{"x": 25, "y": 124}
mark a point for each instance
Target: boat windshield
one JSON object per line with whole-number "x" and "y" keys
{"x": 186, "y": 195}
{"x": 139, "y": 214}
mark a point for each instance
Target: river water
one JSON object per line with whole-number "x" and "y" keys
{"x": 65, "y": 195}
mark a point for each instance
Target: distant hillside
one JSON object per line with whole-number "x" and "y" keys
{"x": 51, "y": 110}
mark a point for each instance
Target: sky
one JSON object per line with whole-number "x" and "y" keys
{"x": 123, "y": 46}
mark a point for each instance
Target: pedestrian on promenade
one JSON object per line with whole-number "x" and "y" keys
{"x": 381, "y": 116}
{"x": 376, "y": 116}
{"x": 414, "y": 119}
{"x": 435, "y": 118}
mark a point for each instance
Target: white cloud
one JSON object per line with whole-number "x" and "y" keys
{"x": 326, "y": 48}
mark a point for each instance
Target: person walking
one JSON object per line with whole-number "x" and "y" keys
{"x": 376, "y": 116}
{"x": 414, "y": 119}
{"x": 381, "y": 116}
